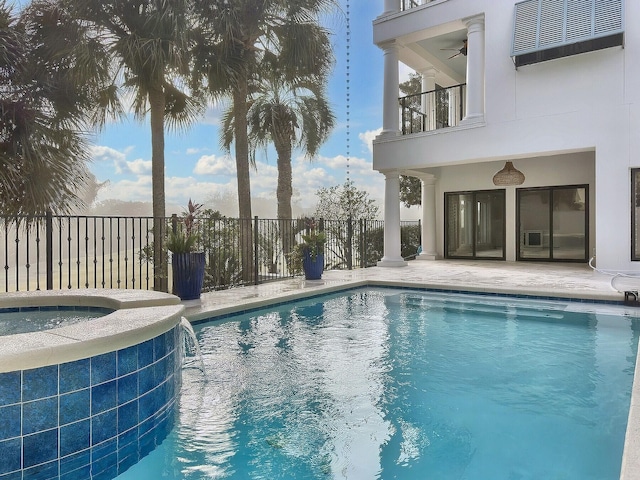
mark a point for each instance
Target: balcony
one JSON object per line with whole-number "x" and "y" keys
{"x": 408, "y": 4}
{"x": 433, "y": 110}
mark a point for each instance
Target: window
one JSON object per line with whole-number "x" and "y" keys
{"x": 475, "y": 224}
{"x": 635, "y": 214}
{"x": 553, "y": 223}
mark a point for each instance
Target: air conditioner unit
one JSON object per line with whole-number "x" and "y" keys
{"x": 533, "y": 238}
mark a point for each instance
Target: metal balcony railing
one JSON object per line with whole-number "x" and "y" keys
{"x": 427, "y": 111}
{"x": 407, "y": 4}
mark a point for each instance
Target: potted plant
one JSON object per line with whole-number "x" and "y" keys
{"x": 187, "y": 263}
{"x": 309, "y": 253}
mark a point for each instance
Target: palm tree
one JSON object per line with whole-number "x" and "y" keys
{"x": 148, "y": 41}
{"x": 239, "y": 40}
{"x": 51, "y": 78}
{"x": 290, "y": 114}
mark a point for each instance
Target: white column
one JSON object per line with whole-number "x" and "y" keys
{"x": 391, "y": 6}
{"x": 475, "y": 70}
{"x": 429, "y": 247}
{"x": 390, "y": 106}
{"x": 429, "y": 101}
{"x": 392, "y": 249}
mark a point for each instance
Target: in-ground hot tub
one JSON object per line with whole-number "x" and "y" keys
{"x": 88, "y": 400}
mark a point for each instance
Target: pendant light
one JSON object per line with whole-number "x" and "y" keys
{"x": 509, "y": 175}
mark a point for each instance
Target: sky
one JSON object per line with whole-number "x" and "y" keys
{"x": 198, "y": 168}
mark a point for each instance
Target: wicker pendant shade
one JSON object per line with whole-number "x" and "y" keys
{"x": 509, "y": 175}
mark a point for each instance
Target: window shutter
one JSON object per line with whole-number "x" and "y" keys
{"x": 544, "y": 24}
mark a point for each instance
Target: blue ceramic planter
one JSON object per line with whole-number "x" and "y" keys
{"x": 188, "y": 274}
{"x": 313, "y": 268}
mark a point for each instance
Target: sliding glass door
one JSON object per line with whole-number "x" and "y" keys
{"x": 475, "y": 224}
{"x": 553, "y": 223}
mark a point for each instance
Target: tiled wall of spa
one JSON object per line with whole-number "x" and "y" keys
{"x": 92, "y": 418}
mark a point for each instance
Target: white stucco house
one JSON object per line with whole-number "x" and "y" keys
{"x": 551, "y": 86}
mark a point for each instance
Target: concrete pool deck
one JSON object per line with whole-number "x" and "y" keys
{"x": 565, "y": 281}
{"x": 577, "y": 281}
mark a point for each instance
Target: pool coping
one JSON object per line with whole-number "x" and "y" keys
{"x": 137, "y": 316}
{"x": 195, "y": 312}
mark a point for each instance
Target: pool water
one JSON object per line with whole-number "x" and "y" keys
{"x": 386, "y": 384}
{"x": 37, "y": 319}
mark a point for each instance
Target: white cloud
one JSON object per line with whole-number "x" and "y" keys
{"x": 138, "y": 190}
{"x": 122, "y": 166}
{"x": 100, "y": 153}
{"x": 139, "y": 167}
{"x": 214, "y": 165}
{"x": 368, "y": 137}
{"x": 195, "y": 151}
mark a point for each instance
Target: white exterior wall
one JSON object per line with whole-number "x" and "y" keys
{"x": 539, "y": 116}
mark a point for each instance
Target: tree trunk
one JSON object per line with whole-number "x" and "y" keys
{"x": 284, "y": 192}
{"x": 157, "y": 104}
{"x": 244, "y": 183}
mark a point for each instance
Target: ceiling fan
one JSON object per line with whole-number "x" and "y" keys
{"x": 460, "y": 51}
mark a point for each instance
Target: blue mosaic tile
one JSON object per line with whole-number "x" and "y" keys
{"x": 40, "y": 448}
{"x": 128, "y": 438}
{"x": 75, "y": 375}
{"x": 145, "y": 380}
{"x": 9, "y": 388}
{"x": 104, "y": 426}
{"x": 39, "y": 383}
{"x": 10, "y": 452}
{"x": 103, "y": 450}
{"x": 39, "y": 415}
{"x": 126, "y": 463}
{"x": 145, "y": 354}
{"x": 75, "y": 406}
{"x": 159, "y": 369}
{"x": 29, "y": 309}
{"x": 159, "y": 347}
{"x": 127, "y": 416}
{"x": 127, "y": 388}
{"x": 129, "y": 451}
{"x": 103, "y": 397}
{"x": 46, "y": 471}
{"x": 171, "y": 339}
{"x": 127, "y": 360}
{"x": 108, "y": 473}
{"x": 145, "y": 426}
{"x": 12, "y": 476}
{"x": 75, "y": 437}
{"x": 75, "y": 462}
{"x": 9, "y": 422}
{"x": 147, "y": 444}
{"x": 81, "y": 473}
{"x": 103, "y": 368}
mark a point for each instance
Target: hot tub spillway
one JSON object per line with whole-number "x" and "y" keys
{"x": 192, "y": 356}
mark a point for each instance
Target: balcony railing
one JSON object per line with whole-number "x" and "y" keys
{"x": 427, "y": 111}
{"x": 62, "y": 252}
{"x": 407, "y": 4}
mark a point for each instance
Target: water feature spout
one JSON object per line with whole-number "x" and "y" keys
{"x": 191, "y": 347}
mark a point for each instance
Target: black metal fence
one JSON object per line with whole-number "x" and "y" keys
{"x": 62, "y": 252}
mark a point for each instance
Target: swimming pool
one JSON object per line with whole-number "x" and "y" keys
{"x": 387, "y": 384}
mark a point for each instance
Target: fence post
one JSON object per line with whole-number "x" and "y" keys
{"x": 255, "y": 251}
{"x": 349, "y": 245}
{"x": 174, "y": 223}
{"x": 363, "y": 244}
{"x": 48, "y": 225}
